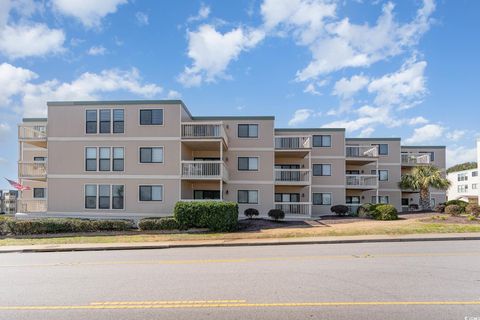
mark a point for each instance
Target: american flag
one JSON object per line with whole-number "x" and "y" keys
{"x": 17, "y": 185}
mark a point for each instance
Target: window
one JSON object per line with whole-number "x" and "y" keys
{"x": 151, "y": 155}
{"x": 91, "y": 196}
{"x": 382, "y": 175}
{"x": 104, "y": 196}
{"x": 90, "y": 159}
{"x": 462, "y": 177}
{"x": 322, "y": 169}
{"x": 462, "y": 188}
{"x": 382, "y": 199}
{"x": 474, "y": 186}
{"x": 247, "y": 163}
{"x": 474, "y": 173}
{"x": 150, "y": 193}
{"x": 105, "y": 120}
{"x": 117, "y": 196}
{"x": 405, "y": 202}
{"x": 322, "y": 198}
{"x": 432, "y": 155}
{"x": 91, "y": 123}
{"x": 118, "y": 121}
{"x": 206, "y": 194}
{"x": 287, "y": 197}
{"x": 352, "y": 199}
{"x": 247, "y": 196}
{"x": 118, "y": 159}
{"x": 382, "y": 149}
{"x": 39, "y": 193}
{"x": 322, "y": 141}
{"x": 151, "y": 117}
{"x": 248, "y": 130}
{"x": 40, "y": 159}
{"x": 104, "y": 162}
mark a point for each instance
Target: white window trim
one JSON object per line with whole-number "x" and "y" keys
{"x": 97, "y": 133}
{"x": 151, "y": 147}
{"x": 150, "y": 201}
{"x": 111, "y": 197}
{"x": 97, "y": 161}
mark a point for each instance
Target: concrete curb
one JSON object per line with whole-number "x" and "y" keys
{"x": 234, "y": 243}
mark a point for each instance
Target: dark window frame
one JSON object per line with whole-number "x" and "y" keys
{"x": 322, "y": 200}
{"x": 248, "y": 135}
{"x": 87, "y": 122}
{"x": 94, "y": 197}
{"x": 141, "y": 160}
{"x": 321, "y": 170}
{"x": 104, "y": 160}
{"x": 321, "y": 137}
{"x": 247, "y": 197}
{"x": 105, "y": 125}
{"x": 117, "y": 161}
{"x": 379, "y": 146}
{"x": 117, "y": 124}
{"x": 248, "y": 163}
{"x": 43, "y": 193}
{"x": 150, "y": 122}
{"x": 144, "y": 186}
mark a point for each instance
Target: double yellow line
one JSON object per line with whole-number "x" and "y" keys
{"x": 230, "y": 304}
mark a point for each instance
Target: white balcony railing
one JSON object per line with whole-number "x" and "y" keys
{"x": 361, "y": 151}
{"x": 415, "y": 158}
{"x": 32, "y": 132}
{"x": 32, "y": 169}
{"x": 295, "y": 208}
{"x": 289, "y": 143}
{"x": 204, "y": 130}
{"x": 31, "y": 205}
{"x": 291, "y": 176}
{"x": 361, "y": 181}
{"x": 204, "y": 170}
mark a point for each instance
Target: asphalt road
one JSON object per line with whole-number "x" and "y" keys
{"x": 417, "y": 280}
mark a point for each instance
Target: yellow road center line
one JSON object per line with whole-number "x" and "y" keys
{"x": 244, "y": 305}
{"x": 245, "y": 260}
{"x": 166, "y": 302}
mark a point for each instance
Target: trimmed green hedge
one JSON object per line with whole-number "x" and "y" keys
{"x": 61, "y": 225}
{"x": 214, "y": 215}
{"x": 383, "y": 212}
{"x": 158, "y": 224}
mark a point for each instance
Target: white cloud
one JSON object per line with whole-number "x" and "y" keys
{"x": 172, "y": 94}
{"x": 417, "y": 120}
{"x": 89, "y": 12}
{"x": 367, "y": 132}
{"x": 346, "y": 88}
{"x": 4, "y": 130}
{"x": 23, "y": 38}
{"x": 341, "y": 44}
{"x": 460, "y": 154}
{"x": 456, "y": 135}
{"x": 97, "y": 51}
{"x": 212, "y": 51}
{"x": 202, "y": 14}
{"x": 312, "y": 87}
{"x": 142, "y": 18}
{"x": 32, "y": 97}
{"x": 300, "y": 116}
{"x": 402, "y": 88}
{"x": 427, "y": 133}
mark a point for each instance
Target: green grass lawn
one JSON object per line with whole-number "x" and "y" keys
{"x": 399, "y": 227}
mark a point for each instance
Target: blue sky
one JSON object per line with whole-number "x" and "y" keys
{"x": 379, "y": 68}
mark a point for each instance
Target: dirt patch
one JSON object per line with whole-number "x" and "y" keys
{"x": 265, "y": 224}
{"x": 449, "y": 219}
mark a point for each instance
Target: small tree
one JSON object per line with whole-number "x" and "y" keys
{"x": 276, "y": 214}
{"x": 422, "y": 178}
{"x": 251, "y": 212}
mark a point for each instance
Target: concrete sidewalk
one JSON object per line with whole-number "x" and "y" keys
{"x": 239, "y": 242}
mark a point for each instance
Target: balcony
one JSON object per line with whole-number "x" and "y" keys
{"x": 415, "y": 159}
{"x": 204, "y": 130}
{"x": 292, "y": 146}
{"x": 31, "y": 206}
{"x": 35, "y": 135}
{"x": 204, "y": 170}
{"x": 361, "y": 181}
{"x": 295, "y": 209}
{"x": 292, "y": 176}
{"x": 36, "y": 170}
{"x": 361, "y": 155}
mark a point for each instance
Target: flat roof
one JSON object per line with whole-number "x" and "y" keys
{"x": 423, "y": 147}
{"x": 308, "y": 129}
{"x": 34, "y": 119}
{"x": 233, "y": 118}
{"x": 373, "y": 139}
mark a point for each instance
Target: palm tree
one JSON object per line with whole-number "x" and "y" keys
{"x": 422, "y": 178}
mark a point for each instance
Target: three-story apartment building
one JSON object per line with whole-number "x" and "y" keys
{"x": 138, "y": 158}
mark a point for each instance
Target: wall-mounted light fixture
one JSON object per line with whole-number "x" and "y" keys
{"x": 226, "y": 191}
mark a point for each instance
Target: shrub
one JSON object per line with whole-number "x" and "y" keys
{"x": 384, "y": 212}
{"x": 364, "y": 210}
{"x": 453, "y": 210}
{"x": 472, "y": 218}
{"x": 462, "y": 204}
{"x": 251, "y": 212}
{"x": 440, "y": 208}
{"x": 214, "y": 215}
{"x": 158, "y": 224}
{"x": 276, "y": 214}
{"x": 3, "y": 224}
{"x": 61, "y": 225}
{"x": 339, "y": 209}
{"x": 473, "y": 210}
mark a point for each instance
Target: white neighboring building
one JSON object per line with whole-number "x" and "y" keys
{"x": 466, "y": 184}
